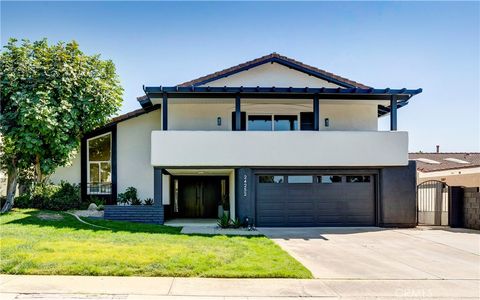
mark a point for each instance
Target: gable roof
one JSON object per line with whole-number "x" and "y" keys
{"x": 430, "y": 162}
{"x": 282, "y": 60}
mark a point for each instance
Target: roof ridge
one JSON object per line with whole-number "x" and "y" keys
{"x": 267, "y": 57}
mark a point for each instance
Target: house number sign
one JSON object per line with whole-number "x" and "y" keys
{"x": 245, "y": 185}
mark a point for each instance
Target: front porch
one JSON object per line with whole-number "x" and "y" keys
{"x": 200, "y": 195}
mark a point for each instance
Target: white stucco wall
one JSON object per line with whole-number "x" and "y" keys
{"x": 271, "y": 75}
{"x": 200, "y": 116}
{"x": 349, "y": 116}
{"x": 281, "y": 148}
{"x": 133, "y": 153}
{"x": 196, "y": 114}
{"x": 69, "y": 173}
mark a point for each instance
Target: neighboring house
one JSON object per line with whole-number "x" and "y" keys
{"x": 274, "y": 140}
{"x": 454, "y": 169}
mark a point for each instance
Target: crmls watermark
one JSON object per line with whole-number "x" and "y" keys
{"x": 245, "y": 185}
{"x": 413, "y": 293}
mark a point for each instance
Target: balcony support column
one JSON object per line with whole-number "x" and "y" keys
{"x": 157, "y": 186}
{"x": 238, "y": 114}
{"x": 393, "y": 113}
{"x": 165, "y": 112}
{"x": 316, "y": 113}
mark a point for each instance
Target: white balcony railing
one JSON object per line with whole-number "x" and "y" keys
{"x": 280, "y": 148}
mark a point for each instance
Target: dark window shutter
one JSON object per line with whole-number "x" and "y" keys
{"x": 243, "y": 122}
{"x": 306, "y": 120}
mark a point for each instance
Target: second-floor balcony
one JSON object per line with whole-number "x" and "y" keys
{"x": 279, "y": 148}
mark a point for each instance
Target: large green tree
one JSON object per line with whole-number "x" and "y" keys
{"x": 50, "y": 96}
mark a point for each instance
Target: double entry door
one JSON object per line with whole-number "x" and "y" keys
{"x": 198, "y": 196}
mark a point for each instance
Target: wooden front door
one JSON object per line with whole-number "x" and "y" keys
{"x": 198, "y": 197}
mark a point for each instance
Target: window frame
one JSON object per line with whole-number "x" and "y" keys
{"x": 99, "y": 163}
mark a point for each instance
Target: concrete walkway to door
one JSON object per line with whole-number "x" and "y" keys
{"x": 375, "y": 253}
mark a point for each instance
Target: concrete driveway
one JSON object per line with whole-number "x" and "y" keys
{"x": 376, "y": 253}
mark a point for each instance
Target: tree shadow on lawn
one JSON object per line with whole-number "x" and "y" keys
{"x": 41, "y": 218}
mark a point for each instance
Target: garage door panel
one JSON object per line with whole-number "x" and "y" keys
{"x": 271, "y": 221}
{"x": 316, "y": 204}
{"x": 329, "y": 205}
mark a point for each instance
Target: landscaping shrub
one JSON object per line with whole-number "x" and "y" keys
{"x": 23, "y": 201}
{"x": 129, "y": 197}
{"x": 224, "y": 221}
{"x": 97, "y": 200}
{"x": 42, "y": 194}
{"x": 148, "y": 201}
{"x": 237, "y": 223}
{"x": 52, "y": 197}
{"x": 66, "y": 197}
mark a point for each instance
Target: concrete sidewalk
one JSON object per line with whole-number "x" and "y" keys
{"x": 83, "y": 287}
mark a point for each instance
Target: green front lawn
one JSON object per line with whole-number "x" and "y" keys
{"x": 42, "y": 242}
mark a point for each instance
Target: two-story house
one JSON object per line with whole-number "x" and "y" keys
{"x": 273, "y": 140}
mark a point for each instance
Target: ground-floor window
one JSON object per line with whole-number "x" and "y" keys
{"x": 99, "y": 162}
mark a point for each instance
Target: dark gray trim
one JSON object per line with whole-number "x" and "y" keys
{"x": 238, "y": 114}
{"x": 316, "y": 113}
{"x": 165, "y": 112}
{"x": 112, "y": 128}
{"x": 398, "y": 196}
{"x": 157, "y": 186}
{"x": 393, "y": 113}
{"x": 125, "y": 117}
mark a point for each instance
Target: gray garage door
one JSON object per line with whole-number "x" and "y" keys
{"x": 320, "y": 200}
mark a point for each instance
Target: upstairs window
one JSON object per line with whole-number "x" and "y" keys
{"x": 260, "y": 123}
{"x": 285, "y": 123}
{"x": 272, "y": 122}
{"x": 99, "y": 162}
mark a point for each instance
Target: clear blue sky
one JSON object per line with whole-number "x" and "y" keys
{"x": 430, "y": 45}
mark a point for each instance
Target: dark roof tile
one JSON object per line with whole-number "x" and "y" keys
{"x": 473, "y": 159}
{"x": 265, "y": 58}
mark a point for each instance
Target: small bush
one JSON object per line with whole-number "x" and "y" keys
{"x": 236, "y": 223}
{"x": 224, "y": 221}
{"x": 66, "y": 197}
{"x": 148, "y": 201}
{"x": 42, "y": 194}
{"x": 97, "y": 200}
{"x": 23, "y": 201}
{"x": 129, "y": 197}
{"x": 52, "y": 197}
{"x": 136, "y": 201}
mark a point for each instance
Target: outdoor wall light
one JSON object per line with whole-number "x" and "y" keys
{"x": 219, "y": 121}
{"x": 327, "y": 122}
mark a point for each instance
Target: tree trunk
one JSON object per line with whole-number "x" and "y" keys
{"x": 11, "y": 189}
{"x": 38, "y": 170}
